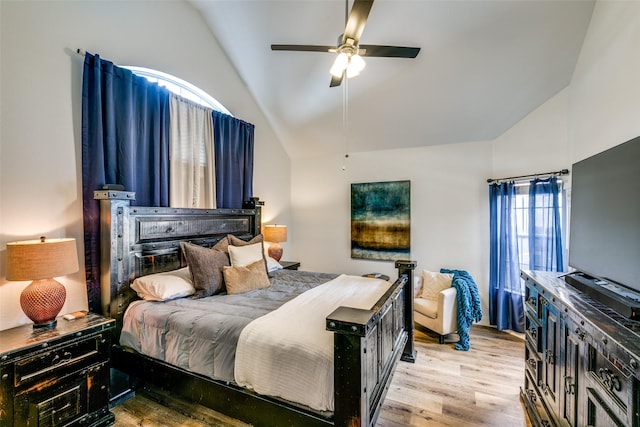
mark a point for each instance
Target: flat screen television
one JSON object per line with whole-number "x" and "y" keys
{"x": 604, "y": 240}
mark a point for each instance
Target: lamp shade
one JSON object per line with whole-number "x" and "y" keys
{"x": 41, "y": 261}
{"x": 275, "y": 233}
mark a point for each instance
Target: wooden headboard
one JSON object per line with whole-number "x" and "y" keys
{"x": 136, "y": 241}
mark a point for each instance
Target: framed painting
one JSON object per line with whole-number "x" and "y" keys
{"x": 381, "y": 220}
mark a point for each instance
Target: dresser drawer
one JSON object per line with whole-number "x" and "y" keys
{"x": 67, "y": 400}
{"x": 533, "y": 363}
{"x": 599, "y": 414}
{"x": 536, "y": 408}
{"x": 611, "y": 386}
{"x": 533, "y": 332}
{"x": 60, "y": 359}
{"x": 531, "y": 299}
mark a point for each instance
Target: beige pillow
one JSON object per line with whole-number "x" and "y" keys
{"x": 164, "y": 286}
{"x": 205, "y": 266}
{"x": 235, "y": 241}
{"x": 245, "y": 278}
{"x": 241, "y": 256}
{"x": 433, "y": 283}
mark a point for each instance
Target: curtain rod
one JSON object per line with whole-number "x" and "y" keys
{"x": 533, "y": 175}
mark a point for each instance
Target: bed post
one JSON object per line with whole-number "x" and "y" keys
{"x": 407, "y": 267}
{"x": 367, "y": 347}
{"x": 114, "y": 205}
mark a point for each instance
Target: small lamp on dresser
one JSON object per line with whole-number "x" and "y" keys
{"x": 275, "y": 234}
{"x": 41, "y": 261}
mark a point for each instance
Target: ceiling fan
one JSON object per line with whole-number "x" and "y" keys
{"x": 349, "y": 60}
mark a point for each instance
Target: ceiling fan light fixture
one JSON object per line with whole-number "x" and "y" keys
{"x": 339, "y": 65}
{"x": 356, "y": 64}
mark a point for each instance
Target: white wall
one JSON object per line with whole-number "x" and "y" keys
{"x": 604, "y": 94}
{"x": 40, "y": 172}
{"x": 449, "y": 208}
{"x": 450, "y": 226}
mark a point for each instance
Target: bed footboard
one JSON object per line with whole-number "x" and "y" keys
{"x": 367, "y": 347}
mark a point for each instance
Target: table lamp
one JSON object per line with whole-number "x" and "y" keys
{"x": 275, "y": 234}
{"x": 41, "y": 261}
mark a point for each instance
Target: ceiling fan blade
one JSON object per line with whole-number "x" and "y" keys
{"x": 389, "y": 51}
{"x": 336, "y": 81}
{"x": 302, "y": 47}
{"x": 357, "y": 19}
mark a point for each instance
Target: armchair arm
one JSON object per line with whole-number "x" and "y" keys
{"x": 448, "y": 309}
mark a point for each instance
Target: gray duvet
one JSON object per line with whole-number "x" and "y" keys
{"x": 200, "y": 335}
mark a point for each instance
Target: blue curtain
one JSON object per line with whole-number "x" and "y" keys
{"x": 545, "y": 236}
{"x": 506, "y": 309}
{"x": 125, "y": 140}
{"x": 233, "y": 148}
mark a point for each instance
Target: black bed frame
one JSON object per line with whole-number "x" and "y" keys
{"x": 367, "y": 343}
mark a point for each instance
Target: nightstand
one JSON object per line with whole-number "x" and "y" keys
{"x": 290, "y": 265}
{"x": 56, "y": 376}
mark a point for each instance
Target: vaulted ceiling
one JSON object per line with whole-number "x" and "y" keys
{"x": 483, "y": 66}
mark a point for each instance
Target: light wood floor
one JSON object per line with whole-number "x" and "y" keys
{"x": 445, "y": 387}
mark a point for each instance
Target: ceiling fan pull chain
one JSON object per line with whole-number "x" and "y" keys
{"x": 345, "y": 122}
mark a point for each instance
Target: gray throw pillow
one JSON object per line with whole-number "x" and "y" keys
{"x": 205, "y": 266}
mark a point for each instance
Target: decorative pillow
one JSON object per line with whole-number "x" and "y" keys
{"x": 433, "y": 283}
{"x": 244, "y": 255}
{"x": 235, "y": 241}
{"x": 273, "y": 265}
{"x": 205, "y": 266}
{"x": 222, "y": 245}
{"x": 164, "y": 286}
{"x": 246, "y": 278}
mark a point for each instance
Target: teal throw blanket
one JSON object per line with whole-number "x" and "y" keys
{"x": 469, "y": 306}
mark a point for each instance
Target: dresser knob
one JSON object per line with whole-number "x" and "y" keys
{"x": 5, "y": 376}
{"x": 633, "y": 363}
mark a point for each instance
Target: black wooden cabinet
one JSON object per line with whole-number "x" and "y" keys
{"x": 290, "y": 265}
{"x": 56, "y": 376}
{"x": 582, "y": 359}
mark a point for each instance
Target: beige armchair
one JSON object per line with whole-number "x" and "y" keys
{"x": 435, "y": 303}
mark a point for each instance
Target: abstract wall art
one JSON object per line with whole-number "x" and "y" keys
{"x": 381, "y": 220}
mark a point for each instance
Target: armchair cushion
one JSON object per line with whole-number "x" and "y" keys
{"x": 439, "y": 315}
{"x": 433, "y": 283}
{"x": 426, "y": 307}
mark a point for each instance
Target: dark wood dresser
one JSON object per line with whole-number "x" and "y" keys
{"x": 582, "y": 359}
{"x": 56, "y": 376}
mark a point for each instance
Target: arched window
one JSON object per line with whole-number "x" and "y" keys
{"x": 180, "y": 87}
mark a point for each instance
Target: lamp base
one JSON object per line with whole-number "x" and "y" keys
{"x": 275, "y": 251}
{"x": 51, "y": 324}
{"x": 42, "y": 300}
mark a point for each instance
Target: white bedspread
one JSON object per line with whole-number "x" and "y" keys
{"x": 288, "y": 353}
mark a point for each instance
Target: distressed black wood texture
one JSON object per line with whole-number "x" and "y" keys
{"x": 56, "y": 376}
{"x": 582, "y": 358}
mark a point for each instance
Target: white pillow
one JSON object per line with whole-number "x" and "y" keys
{"x": 433, "y": 283}
{"x": 242, "y": 256}
{"x": 273, "y": 265}
{"x": 164, "y": 286}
